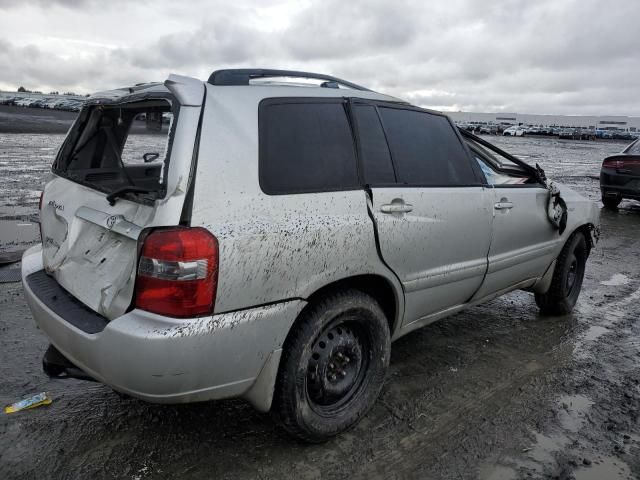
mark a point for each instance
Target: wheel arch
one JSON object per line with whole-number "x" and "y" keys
{"x": 390, "y": 298}
{"x": 591, "y": 234}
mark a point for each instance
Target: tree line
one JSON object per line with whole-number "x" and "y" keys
{"x": 21, "y": 89}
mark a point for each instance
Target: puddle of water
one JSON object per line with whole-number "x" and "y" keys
{"x": 608, "y": 468}
{"x": 615, "y": 313}
{"x": 595, "y": 332}
{"x": 616, "y": 280}
{"x": 572, "y": 413}
{"x": 628, "y": 299}
{"x": 496, "y": 472}
{"x": 17, "y": 234}
{"x": 581, "y": 348}
{"x": 545, "y": 447}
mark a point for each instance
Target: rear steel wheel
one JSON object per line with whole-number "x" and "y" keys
{"x": 336, "y": 368}
{"x": 333, "y": 366}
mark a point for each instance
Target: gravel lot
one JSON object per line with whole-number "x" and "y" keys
{"x": 496, "y": 392}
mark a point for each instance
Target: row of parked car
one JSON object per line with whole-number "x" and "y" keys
{"x": 70, "y": 103}
{"x": 575, "y": 133}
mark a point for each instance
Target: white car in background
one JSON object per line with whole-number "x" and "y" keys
{"x": 515, "y": 131}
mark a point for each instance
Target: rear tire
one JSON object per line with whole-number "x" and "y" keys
{"x": 611, "y": 202}
{"x": 333, "y": 366}
{"x": 567, "y": 278}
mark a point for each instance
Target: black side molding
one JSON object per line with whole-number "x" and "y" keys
{"x": 64, "y": 304}
{"x": 242, "y": 76}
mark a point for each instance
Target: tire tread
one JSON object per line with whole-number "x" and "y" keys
{"x": 284, "y": 407}
{"x": 553, "y": 302}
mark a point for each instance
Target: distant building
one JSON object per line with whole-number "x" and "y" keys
{"x": 627, "y": 124}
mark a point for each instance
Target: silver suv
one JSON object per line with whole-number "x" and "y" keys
{"x": 269, "y": 233}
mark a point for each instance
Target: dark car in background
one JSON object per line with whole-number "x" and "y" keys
{"x": 620, "y": 176}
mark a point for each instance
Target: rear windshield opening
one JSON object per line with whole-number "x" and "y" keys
{"x": 115, "y": 147}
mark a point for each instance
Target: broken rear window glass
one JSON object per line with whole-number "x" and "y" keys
{"x": 112, "y": 147}
{"x": 494, "y": 177}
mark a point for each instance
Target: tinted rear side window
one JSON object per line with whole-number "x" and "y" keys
{"x": 425, "y": 149}
{"x": 374, "y": 151}
{"x": 306, "y": 147}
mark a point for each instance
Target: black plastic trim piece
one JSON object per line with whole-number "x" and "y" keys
{"x": 354, "y": 121}
{"x": 243, "y": 76}
{"x": 187, "y": 206}
{"x": 65, "y": 305}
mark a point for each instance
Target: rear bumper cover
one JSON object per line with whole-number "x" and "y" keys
{"x": 617, "y": 184}
{"x": 168, "y": 360}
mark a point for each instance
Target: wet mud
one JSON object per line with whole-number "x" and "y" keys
{"x": 495, "y": 392}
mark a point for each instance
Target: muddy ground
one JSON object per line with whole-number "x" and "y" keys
{"x": 497, "y": 392}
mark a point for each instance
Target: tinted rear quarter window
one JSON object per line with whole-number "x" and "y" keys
{"x": 306, "y": 147}
{"x": 425, "y": 149}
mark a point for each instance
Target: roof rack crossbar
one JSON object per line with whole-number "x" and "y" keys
{"x": 243, "y": 76}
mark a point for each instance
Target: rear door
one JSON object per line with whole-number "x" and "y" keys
{"x": 89, "y": 240}
{"x": 432, "y": 215}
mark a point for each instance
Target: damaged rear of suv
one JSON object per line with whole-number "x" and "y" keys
{"x": 272, "y": 232}
{"x": 85, "y": 244}
{"x": 117, "y": 202}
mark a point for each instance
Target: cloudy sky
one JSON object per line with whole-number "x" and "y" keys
{"x": 542, "y": 56}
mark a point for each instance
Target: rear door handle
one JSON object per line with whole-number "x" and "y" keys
{"x": 396, "y": 208}
{"x": 503, "y": 205}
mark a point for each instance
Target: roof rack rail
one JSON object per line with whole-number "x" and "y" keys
{"x": 242, "y": 76}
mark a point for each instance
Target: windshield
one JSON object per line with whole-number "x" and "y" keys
{"x": 114, "y": 147}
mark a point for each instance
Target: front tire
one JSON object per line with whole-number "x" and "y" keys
{"x": 567, "y": 278}
{"x": 333, "y": 366}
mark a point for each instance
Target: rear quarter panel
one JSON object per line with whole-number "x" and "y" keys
{"x": 272, "y": 247}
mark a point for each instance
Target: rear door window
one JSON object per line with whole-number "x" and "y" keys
{"x": 425, "y": 149}
{"x": 305, "y": 146}
{"x": 374, "y": 151}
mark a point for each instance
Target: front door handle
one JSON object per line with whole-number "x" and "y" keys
{"x": 503, "y": 205}
{"x": 396, "y": 208}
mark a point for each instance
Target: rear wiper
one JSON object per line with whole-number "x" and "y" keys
{"x": 111, "y": 198}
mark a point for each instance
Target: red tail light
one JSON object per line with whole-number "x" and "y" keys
{"x": 615, "y": 162}
{"x": 178, "y": 272}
